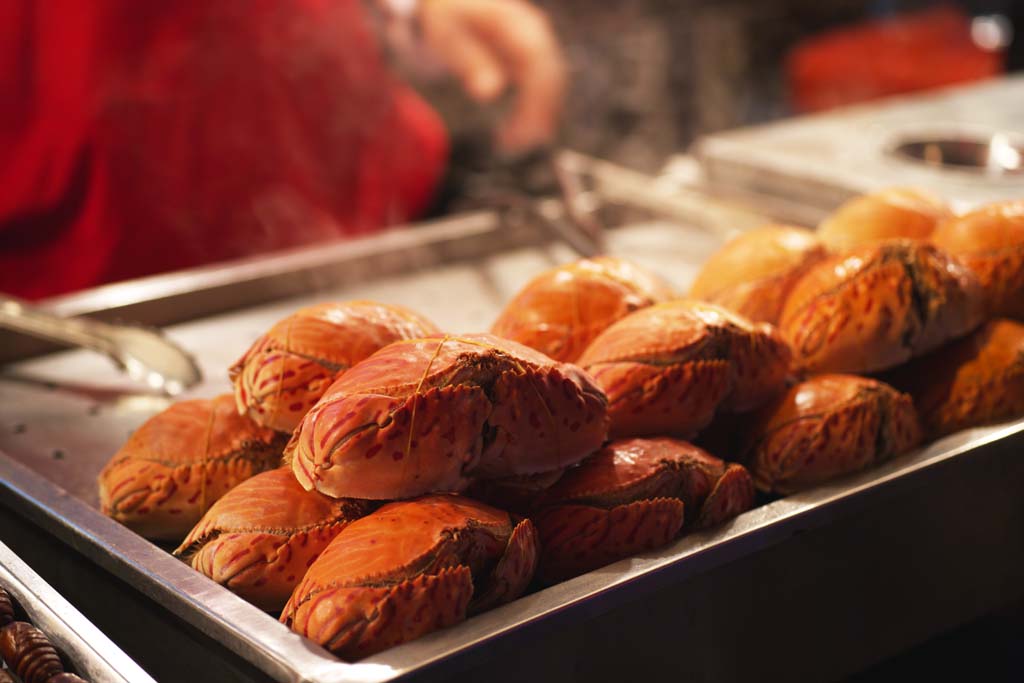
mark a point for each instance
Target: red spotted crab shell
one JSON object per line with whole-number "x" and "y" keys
{"x": 561, "y": 311}
{"x": 262, "y": 536}
{"x": 892, "y": 213}
{"x": 429, "y": 414}
{"x": 179, "y": 462}
{"x": 878, "y": 306}
{"x": 827, "y": 426}
{"x": 668, "y": 368}
{"x": 990, "y": 241}
{"x": 973, "y": 381}
{"x": 633, "y": 495}
{"x": 410, "y": 568}
{"x": 752, "y": 274}
{"x": 286, "y": 370}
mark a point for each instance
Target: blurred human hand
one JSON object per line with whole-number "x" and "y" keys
{"x": 497, "y": 45}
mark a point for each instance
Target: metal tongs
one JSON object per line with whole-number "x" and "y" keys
{"x": 581, "y": 184}
{"x": 143, "y": 354}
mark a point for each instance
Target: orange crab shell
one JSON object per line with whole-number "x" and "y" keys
{"x": 990, "y": 241}
{"x": 828, "y": 426}
{"x": 285, "y": 371}
{"x": 180, "y": 461}
{"x": 408, "y": 569}
{"x": 974, "y": 381}
{"x": 666, "y": 369}
{"x": 893, "y": 213}
{"x": 630, "y": 497}
{"x": 427, "y": 415}
{"x": 262, "y": 536}
{"x": 752, "y": 274}
{"x": 878, "y": 306}
{"x": 561, "y": 311}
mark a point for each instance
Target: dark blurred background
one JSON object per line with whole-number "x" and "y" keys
{"x": 649, "y": 76}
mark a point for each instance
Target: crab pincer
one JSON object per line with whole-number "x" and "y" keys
{"x": 410, "y": 568}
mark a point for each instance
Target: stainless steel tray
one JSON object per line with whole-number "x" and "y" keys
{"x": 92, "y": 654}
{"x": 62, "y": 416}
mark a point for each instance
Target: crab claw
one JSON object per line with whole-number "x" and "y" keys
{"x": 579, "y": 538}
{"x": 514, "y": 570}
{"x": 732, "y": 495}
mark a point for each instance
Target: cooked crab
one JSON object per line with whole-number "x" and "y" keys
{"x": 827, "y": 426}
{"x": 990, "y": 241}
{"x": 180, "y": 461}
{"x": 631, "y": 496}
{"x": 878, "y": 306}
{"x": 408, "y": 569}
{"x": 286, "y": 370}
{"x": 752, "y": 274}
{"x": 429, "y": 414}
{"x": 896, "y": 212}
{"x": 973, "y": 381}
{"x": 666, "y": 369}
{"x": 262, "y": 536}
{"x": 561, "y": 311}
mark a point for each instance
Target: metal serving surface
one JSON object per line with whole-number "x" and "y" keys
{"x": 92, "y": 654}
{"x": 821, "y": 160}
{"x": 61, "y": 417}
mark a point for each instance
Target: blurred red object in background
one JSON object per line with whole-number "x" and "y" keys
{"x": 887, "y": 56}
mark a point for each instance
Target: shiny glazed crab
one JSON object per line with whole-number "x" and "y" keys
{"x": 561, "y": 311}
{"x": 973, "y": 381}
{"x": 408, "y": 569}
{"x": 878, "y": 306}
{"x": 180, "y": 461}
{"x": 262, "y": 536}
{"x": 893, "y": 213}
{"x": 827, "y": 426}
{"x": 429, "y": 414}
{"x": 752, "y": 274}
{"x": 634, "y": 495}
{"x": 286, "y": 370}
{"x": 666, "y": 369}
{"x": 990, "y": 241}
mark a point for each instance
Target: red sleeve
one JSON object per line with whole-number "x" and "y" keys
{"x": 152, "y": 136}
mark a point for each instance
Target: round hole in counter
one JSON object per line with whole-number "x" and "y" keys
{"x": 996, "y": 154}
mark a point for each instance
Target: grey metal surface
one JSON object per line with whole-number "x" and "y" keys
{"x": 61, "y": 417}
{"x": 93, "y": 655}
{"x": 818, "y": 161}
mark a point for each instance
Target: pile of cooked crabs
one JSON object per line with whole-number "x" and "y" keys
{"x": 373, "y": 478}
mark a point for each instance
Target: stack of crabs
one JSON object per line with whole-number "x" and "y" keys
{"x": 373, "y": 479}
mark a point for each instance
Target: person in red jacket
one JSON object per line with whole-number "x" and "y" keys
{"x": 141, "y": 137}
